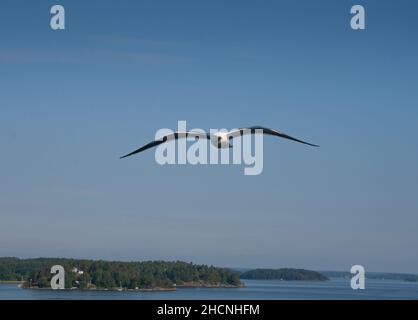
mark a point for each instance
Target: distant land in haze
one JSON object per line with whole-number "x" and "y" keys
{"x": 374, "y": 275}
{"x": 288, "y": 274}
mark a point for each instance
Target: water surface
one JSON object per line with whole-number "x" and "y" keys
{"x": 336, "y": 288}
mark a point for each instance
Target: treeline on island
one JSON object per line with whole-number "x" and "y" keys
{"x": 100, "y": 274}
{"x": 283, "y": 274}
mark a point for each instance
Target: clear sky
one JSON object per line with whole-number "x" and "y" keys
{"x": 73, "y": 101}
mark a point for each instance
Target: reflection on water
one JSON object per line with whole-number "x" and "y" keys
{"x": 336, "y": 288}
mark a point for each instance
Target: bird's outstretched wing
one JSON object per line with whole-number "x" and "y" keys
{"x": 174, "y": 136}
{"x": 240, "y": 131}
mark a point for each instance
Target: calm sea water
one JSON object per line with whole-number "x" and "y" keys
{"x": 336, "y": 288}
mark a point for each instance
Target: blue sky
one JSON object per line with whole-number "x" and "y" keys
{"x": 73, "y": 101}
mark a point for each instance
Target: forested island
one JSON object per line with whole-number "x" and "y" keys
{"x": 284, "y": 274}
{"x": 116, "y": 275}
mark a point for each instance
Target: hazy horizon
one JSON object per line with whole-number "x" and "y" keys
{"x": 238, "y": 268}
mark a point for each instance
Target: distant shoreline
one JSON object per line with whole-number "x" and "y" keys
{"x": 200, "y": 285}
{"x": 154, "y": 276}
{"x": 285, "y": 274}
{"x": 156, "y": 289}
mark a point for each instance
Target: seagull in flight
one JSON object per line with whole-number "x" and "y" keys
{"x": 219, "y": 139}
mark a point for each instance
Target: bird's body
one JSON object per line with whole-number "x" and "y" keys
{"x": 219, "y": 139}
